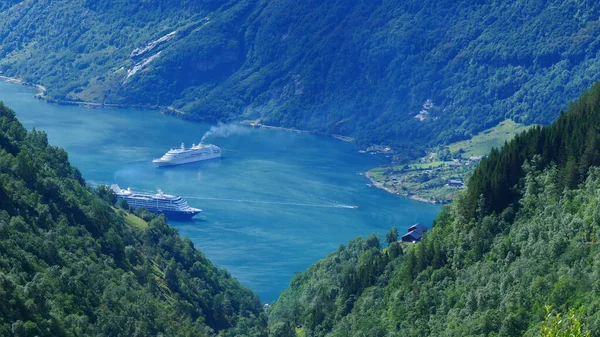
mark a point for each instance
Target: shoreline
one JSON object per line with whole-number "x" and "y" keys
{"x": 166, "y": 110}
{"x": 42, "y": 90}
{"x": 41, "y": 94}
{"x": 93, "y": 105}
{"x": 255, "y": 124}
{"x": 15, "y": 80}
{"x": 394, "y": 192}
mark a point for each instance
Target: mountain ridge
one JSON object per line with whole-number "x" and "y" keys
{"x": 360, "y": 68}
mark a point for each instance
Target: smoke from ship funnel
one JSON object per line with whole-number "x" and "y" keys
{"x": 224, "y": 130}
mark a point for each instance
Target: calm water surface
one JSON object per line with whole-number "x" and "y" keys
{"x": 273, "y": 205}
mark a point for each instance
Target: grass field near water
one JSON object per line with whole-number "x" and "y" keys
{"x": 427, "y": 178}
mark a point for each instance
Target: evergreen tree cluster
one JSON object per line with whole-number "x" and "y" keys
{"x": 521, "y": 239}
{"x": 571, "y": 143}
{"x": 72, "y": 265}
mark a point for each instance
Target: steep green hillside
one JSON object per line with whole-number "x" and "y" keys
{"x": 71, "y": 265}
{"x": 523, "y": 236}
{"x": 381, "y": 71}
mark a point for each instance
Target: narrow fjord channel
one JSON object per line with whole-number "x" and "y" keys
{"x": 274, "y": 204}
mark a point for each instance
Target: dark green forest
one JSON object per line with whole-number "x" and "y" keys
{"x": 523, "y": 236}
{"x": 521, "y": 241}
{"x": 72, "y": 265}
{"x": 360, "y": 68}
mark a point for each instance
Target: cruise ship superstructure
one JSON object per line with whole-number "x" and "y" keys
{"x": 173, "y": 207}
{"x": 193, "y": 154}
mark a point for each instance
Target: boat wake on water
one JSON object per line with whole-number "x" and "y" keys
{"x": 284, "y": 203}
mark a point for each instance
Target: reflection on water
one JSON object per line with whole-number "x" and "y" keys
{"x": 274, "y": 204}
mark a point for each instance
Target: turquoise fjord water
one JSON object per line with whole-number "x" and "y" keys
{"x": 275, "y": 203}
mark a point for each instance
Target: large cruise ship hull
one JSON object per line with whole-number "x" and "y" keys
{"x": 173, "y": 207}
{"x": 177, "y": 216}
{"x": 161, "y": 163}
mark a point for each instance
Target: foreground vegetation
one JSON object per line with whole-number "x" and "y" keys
{"x": 489, "y": 266}
{"x": 403, "y": 73}
{"x": 72, "y": 265}
{"x": 522, "y": 237}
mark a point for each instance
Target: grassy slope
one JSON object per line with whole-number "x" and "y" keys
{"x": 482, "y": 143}
{"x": 134, "y": 221}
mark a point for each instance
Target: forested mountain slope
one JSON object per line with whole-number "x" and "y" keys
{"x": 71, "y": 265}
{"x": 382, "y": 71}
{"x": 523, "y": 236}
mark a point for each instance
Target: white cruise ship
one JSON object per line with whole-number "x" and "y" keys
{"x": 182, "y": 155}
{"x": 173, "y": 207}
